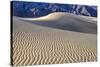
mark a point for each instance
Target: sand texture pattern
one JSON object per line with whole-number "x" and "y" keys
{"x": 56, "y": 38}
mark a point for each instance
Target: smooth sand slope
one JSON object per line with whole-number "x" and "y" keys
{"x": 56, "y": 38}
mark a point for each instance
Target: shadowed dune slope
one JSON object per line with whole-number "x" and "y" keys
{"x": 35, "y": 42}
{"x": 66, "y": 21}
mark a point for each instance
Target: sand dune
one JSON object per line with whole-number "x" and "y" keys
{"x": 66, "y": 21}
{"x": 58, "y": 15}
{"x": 38, "y": 41}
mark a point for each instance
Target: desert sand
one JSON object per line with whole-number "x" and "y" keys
{"x": 52, "y": 39}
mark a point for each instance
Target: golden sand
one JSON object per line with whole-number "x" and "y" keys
{"x": 36, "y": 44}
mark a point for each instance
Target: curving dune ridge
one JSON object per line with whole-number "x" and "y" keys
{"x": 66, "y": 21}
{"x": 56, "y": 38}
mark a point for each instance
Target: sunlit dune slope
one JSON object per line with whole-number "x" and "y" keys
{"x": 66, "y": 21}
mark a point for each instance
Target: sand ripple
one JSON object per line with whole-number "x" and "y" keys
{"x": 52, "y": 47}
{"x": 35, "y": 44}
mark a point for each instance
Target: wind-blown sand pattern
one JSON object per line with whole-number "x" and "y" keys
{"x": 47, "y": 40}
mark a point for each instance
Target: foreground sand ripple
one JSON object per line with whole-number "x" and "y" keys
{"x": 34, "y": 44}
{"x": 52, "y": 47}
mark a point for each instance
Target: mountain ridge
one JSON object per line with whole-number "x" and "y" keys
{"x": 38, "y": 9}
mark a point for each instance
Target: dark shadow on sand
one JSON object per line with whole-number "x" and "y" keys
{"x": 77, "y": 26}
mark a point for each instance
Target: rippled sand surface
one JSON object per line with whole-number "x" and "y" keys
{"x": 36, "y": 42}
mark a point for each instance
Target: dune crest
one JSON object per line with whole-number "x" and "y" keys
{"x": 58, "y": 15}
{"x": 66, "y": 21}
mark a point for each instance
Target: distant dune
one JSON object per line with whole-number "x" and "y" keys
{"x": 56, "y": 38}
{"x": 66, "y": 21}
